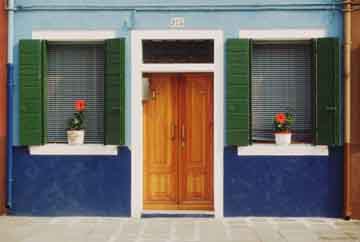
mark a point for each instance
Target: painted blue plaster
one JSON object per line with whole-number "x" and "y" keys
{"x": 67, "y": 185}
{"x": 71, "y": 185}
{"x": 162, "y": 2}
{"x": 283, "y": 186}
{"x": 229, "y": 21}
{"x": 253, "y": 186}
{"x": 9, "y": 136}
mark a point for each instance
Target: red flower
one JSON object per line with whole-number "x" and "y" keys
{"x": 80, "y": 105}
{"x": 280, "y": 118}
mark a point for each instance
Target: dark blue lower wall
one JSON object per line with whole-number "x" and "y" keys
{"x": 283, "y": 186}
{"x": 71, "y": 185}
{"x": 253, "y": 186}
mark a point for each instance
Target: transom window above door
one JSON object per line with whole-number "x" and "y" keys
{"x": 178, "y": 51}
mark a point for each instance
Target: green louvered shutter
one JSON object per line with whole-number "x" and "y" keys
{"x": 45, "y": 90}
{"x": 238, "y": 78}
{"x": 327, "y": 128}
{"x": 115, "y": 92}
{"x": 31, "y": 93}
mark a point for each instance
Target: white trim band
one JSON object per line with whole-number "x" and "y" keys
{"x": 65, "y": 149}
{"x": 73, "y": 35}
{"x": 283, "y": 150}
{"x": 279, "y": 34}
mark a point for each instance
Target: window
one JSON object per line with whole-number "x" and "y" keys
{"x": 53, "y": 75}
{"x": 281, "y": 82}
{"x": 264, "y": 78}
{"x": 75, "y": 71}
{"x": 178, "y": 51}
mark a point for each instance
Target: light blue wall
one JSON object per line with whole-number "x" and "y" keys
{"x": 230, "y": 22}
{"x": 163, "y": 2}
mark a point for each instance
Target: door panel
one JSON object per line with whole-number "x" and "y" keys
{"x": 160, "y": 148}
{"x": 178, "y": 142}
{"x": 196, "y": 162}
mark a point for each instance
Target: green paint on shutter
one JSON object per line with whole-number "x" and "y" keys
{"x": 115, "y": 92}
{"x": 31, "y": 93}
{"x": 45, "y": 90}
{"x": 238, "y": 54}
{"x": 327, "y": 89}
{"x": 313, "y": 89}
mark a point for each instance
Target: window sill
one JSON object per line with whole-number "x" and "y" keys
{"x": 66, "y": 149}
{"x": 278, "y": 150}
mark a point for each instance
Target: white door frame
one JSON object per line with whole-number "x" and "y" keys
{"x": 137, "y": 68}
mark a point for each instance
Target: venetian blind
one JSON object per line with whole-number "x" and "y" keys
{"x": 281, "y": 82}
{"x": 75, "y": 71}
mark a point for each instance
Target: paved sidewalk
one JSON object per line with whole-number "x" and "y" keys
{"x": 74, "y": 229}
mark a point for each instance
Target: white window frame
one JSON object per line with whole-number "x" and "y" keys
{"x": 66, "y": 149}
{"x": 138, "y": 68}
{"x": 273, "y": 149}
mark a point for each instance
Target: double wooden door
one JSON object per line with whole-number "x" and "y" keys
{"x": 178, "y": 142}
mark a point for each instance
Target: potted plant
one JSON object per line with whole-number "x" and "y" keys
{"x": 76, "y": 131}
{"x": 282, "y": 123}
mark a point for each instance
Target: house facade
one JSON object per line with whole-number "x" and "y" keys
{"x": 180, "y": 104}
{"x": 355, "y": 139}
{"x": 3, "y": 88}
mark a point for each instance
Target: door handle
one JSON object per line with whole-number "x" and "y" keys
{"x": 183, "y": 135}
{"x": 173, "y": 131}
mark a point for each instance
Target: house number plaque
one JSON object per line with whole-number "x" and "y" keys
{"x": 177, "y": 22}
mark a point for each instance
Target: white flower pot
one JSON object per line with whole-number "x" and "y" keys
{"x": 76, "y": 137}
{"x": 283, "y": 138}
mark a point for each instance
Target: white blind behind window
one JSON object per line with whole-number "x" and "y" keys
{"x": 75, "y": 71}
{"x": 281, "y": 82}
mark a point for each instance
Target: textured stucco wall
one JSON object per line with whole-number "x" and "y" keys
{"x": 122, "y": 22}
{"x": 283, "y": 186}
{"x": 253, "y": 186}
{"x": 68, "y": 185}
{"x": 71, "y": 185}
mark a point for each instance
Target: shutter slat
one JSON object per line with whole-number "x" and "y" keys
{"x": 328, "y": 81}
{"x": 238, "y": 92}
{"x": 31, "y": 93}
{"x": 115, "y": 92}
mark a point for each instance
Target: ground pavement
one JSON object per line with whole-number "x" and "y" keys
{"x": 74, "y": 229}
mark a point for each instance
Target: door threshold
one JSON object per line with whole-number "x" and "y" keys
{"x": 177, "y": 214}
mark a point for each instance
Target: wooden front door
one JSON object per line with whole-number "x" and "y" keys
{"x": 178, "y": 142}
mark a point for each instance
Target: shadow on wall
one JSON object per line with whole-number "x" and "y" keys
{"x": 355, "y": 91}
{"x": 355, "y": 128}
{"x": 71, "y": 185}
{"x": 283, "y": 186}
